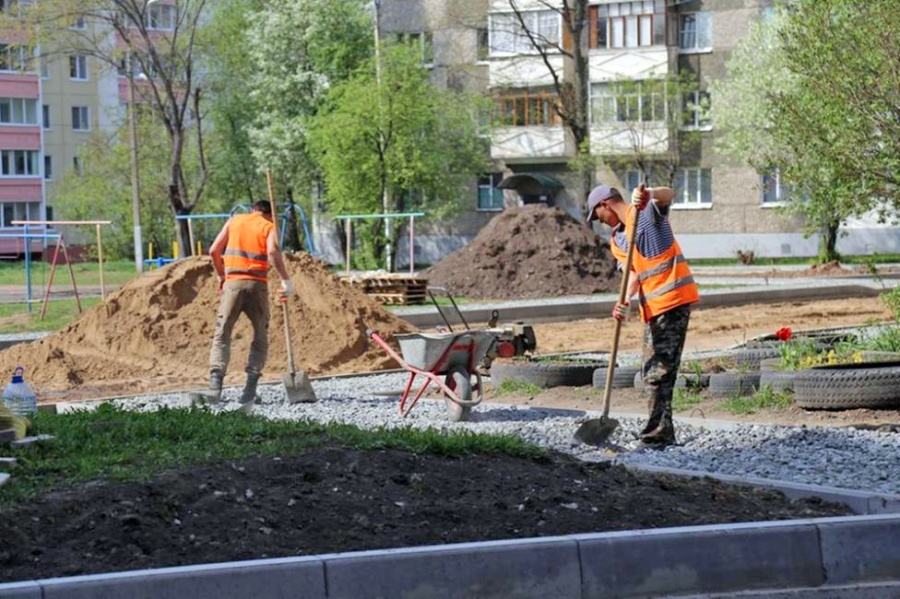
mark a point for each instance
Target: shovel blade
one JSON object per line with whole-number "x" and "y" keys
{"x": 297, "y": 388}
{"x": 596, "y": 431}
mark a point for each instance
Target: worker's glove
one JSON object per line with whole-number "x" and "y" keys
{"x": 620, "y": 311}
{"x": 221, "y": 281}
{"x": 640, "y": 197}
{"x": 287, "y": 287}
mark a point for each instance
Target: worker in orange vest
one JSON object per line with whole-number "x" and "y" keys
{"x": 665, "y": 287}
{"x": 241, "y": 254}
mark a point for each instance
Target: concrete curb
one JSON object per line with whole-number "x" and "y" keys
{"x": 796, "y": 554}
{"x": 597, "y": 306}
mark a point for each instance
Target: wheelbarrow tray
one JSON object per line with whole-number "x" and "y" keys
{"x": 441, "y": 352}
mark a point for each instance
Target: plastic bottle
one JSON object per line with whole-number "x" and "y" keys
{"x": 18, "y": 396}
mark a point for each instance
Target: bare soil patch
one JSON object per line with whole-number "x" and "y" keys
{"x": 333, "y": 499}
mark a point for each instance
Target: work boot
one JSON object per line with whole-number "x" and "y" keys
{"x": 248, "y": 395}
{"x": 214, "y": 392}
{"x": 662, "y": 435}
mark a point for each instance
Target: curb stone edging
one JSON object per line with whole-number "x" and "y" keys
{"x": 800, "y": 554}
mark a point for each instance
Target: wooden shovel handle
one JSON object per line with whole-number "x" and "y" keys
{"x": 631, "y": 235}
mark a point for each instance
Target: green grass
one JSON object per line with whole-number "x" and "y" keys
{"x": 513, "y": 386}
{"x": 114, "y": 444}
{"x": 684, "y": 399}
{"x": 764, "y": 399}
{"x": 15, "y": 318}
{"x": 115, "y": 272}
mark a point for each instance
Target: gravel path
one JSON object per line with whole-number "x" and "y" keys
{"x": 847, "y": 458}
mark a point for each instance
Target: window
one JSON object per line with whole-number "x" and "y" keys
{"x": 76, "y": 166}
{"x": 79, "y": 23}
{"x": 18, "y": 111}
{"x": 19, "y": 163}
{"x": 628, "y": 102}
{"x": 628, "y": 24}
{"x": 483, "y": 45}
{"x": 81, "y": 118}
{"x": 78, "y": 67}
{"x": 45, "y": 114}
{"x": 773, "y": 190}
{"x": 422, "y": 42}
{"x": 161, "y": 17}
{"x": 12, "y": 57}
{"x": 696, "y": 110}
{"x": 693, "y": 187}
{"x": 45, "y": 68}
{"x": 526, "y": 108}
{"x": 489, "y": 197}
{"x": 48, "y": 167}
{"x": 695, "y": 32}
{"x": 508, "y": 37}
{"x": 19, "y": 211}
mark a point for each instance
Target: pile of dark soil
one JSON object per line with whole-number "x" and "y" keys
{"x": 528, "y": 252}
{"x": 333, "y": 500}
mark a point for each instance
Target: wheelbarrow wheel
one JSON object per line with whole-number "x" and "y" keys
{"x": 460, "y": 381}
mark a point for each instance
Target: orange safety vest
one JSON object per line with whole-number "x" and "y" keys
{"x": 245, "y": 255}
{"x": 665, "y": 281}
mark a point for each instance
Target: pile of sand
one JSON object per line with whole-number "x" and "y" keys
{"x": 528, "y": 252}
{"x": 155, "y": 334}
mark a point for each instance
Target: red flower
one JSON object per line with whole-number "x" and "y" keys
{"x": 783, "y": 333}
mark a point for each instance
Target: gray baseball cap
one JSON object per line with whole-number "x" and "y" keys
{"x": 599, "y": 194}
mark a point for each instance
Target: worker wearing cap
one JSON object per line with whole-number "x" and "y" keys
{"x": 664, "y": 285}
{"x": 241, "y": 254}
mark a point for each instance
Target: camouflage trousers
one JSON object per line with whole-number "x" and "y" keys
{"x": 664, "y": 339}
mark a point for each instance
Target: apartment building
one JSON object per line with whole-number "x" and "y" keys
{"x": 721, "y": 207}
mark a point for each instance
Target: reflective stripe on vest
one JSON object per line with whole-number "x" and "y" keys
{"x": 665, "y": 281}
{"x": 245, "y": 255}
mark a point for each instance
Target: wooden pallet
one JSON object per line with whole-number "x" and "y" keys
{"x": 390, "y": 289}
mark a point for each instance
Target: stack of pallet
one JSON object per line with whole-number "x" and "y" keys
{"x": 391, "y": 289}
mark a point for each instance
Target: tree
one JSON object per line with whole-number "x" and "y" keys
{"x": 154, "y": 46}
{"x": 654, "y": 122}
{"x": 297, "y": 49}
{"x": 572, "y": 91}
{"x": 102, "y": 189}
{"x": 401, "y": 138}
{"x": 801, "y": 97}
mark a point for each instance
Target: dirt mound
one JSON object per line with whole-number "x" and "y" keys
{"x": 155, "y": 333}
{"x": 528, "y": 252}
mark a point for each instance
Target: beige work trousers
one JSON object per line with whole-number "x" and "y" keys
{"x": 250, "y": 298}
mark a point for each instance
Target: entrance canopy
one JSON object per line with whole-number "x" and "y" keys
{"x": 529, "y": 184}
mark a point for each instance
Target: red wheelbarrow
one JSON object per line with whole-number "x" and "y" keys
{"x": 446, "y": 360}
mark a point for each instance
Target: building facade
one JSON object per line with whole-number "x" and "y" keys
{"x": 636, "y": 50}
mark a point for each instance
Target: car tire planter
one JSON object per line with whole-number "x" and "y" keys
{"x": 751, "y": 357}
{"x": 693, "y": 381}
{"x": 543, "y": 374}
{"x": 623, "y": 377}
{"x": 731, "y": 384}
{"x": 849, "y": 386}
{"x": 777, "y": 380}
{"x": 769, "y": 364}
{"x": 680, "y": 383}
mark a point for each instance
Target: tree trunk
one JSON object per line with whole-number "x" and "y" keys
{"x": 829, "y": 242}
{"x": 293, "y": 233}
{"x": 578, "y": 126}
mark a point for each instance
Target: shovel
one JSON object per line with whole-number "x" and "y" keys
{"x": 296, "y": 384}
{"x": 597, "y": 430}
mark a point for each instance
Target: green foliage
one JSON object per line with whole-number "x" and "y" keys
{"x": 796, "y": 353}
{"x": 682, "y": 399}
{"x": 801, "y": 97}
{"x": 516, "y": 387}
{"x": 15, "y": 319}
{"x": 110, "y": 443}
{"x": 764, "y": 399}
{"x": 399, "y": 145}
{"x": 891, "y": 299}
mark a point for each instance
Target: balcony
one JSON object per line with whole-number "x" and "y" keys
{"x": 510, "y": 143}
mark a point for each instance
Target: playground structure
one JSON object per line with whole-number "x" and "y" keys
{"x": 60, "y": 244}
